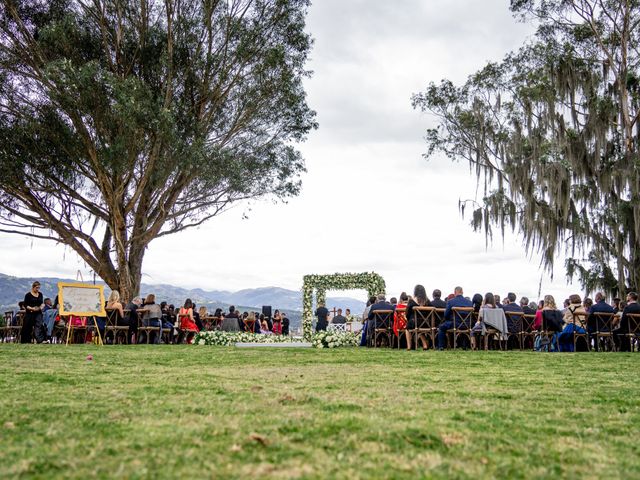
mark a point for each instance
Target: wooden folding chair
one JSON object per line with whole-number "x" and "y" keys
{"x": 382, "y": 326}
{"x": 463, "y": 320}
{"x": 183, "y": 333}
{"x": 515, "y": 324}
{"x": 526, "y": 330}
{"x": 425, "y": 325}
{"x": 13, "y": 330}
{"x": 401, "y": 314}
{"x": 634, "y": 331}
{"x": 147, "y": 329}
{"x": 601, "y": 323}
{"x": 114, "y": 325}
{"x": 249, "y": 325}
{"x": 580, "y": 320}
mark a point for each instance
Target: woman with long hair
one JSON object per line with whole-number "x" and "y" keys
{"x": 419, "y": 299}
{"x": 187, "y": 321}
{"x": 489, "y": 302}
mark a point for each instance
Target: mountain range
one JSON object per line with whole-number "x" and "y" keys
{"x": 13, "y": 289}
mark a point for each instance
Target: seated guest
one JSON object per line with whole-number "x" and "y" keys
{"x": 437, "y": 301}
{"x": 526, "y": 308}
{"x": 419, "y": 299}
{"x": 285, "y": 324}
{"x": 594, "y": 322}
{"x": 489, "y": 303}
{"x": 633, "y": 307}
{"x": 187, "y": 322}
{"x": 250, "y": 324}
{"x": 381, "y": 304}
{"x": 196, "y": 318}
{"x": 457, "y": 301}
{"x": 616, "y": 305}
{"x": 232, "y": 315}
{"x": 339, "y": 318}
{"x": 477, "y": 302}
{"x": 365, "y": 316}
{"x": 511, "y": 306}
{"x": 204, "y": 320}
{"x": 115, "y": 306}
{"x": 497, "y": 299}
{"x": 132, "y": 319}
{"x": 48, "y": 317}
{"x": 587, "y": 304}
{"x": 152, "y": 316}
{"x": 399, "y": 314}
{"x": 548, "y": 318}
{"x": 566, "y": 337}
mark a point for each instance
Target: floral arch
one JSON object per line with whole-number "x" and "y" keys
{"x": 371, "y": 282}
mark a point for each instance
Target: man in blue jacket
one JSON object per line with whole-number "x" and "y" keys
{"x": 457, "y": 301}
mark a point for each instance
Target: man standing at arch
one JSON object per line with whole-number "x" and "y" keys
{"x": 322, "y": 313}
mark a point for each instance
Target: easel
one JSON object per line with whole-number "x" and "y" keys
{"x": 70, "y": 327}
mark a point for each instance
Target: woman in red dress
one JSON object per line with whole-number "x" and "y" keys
{"x": 277, "y": 323}
{"x": 187, "y": 322}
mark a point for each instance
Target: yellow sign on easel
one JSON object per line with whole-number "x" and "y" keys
{"x": 82, "y": 300}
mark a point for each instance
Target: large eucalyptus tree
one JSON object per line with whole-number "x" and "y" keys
{"x": 122, "y": 121}
{"x": 553, "y": 134}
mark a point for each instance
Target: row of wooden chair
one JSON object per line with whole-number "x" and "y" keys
{"x": 596, "y": 328}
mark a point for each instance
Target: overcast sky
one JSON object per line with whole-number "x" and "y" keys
{"x": 370, "y": 201}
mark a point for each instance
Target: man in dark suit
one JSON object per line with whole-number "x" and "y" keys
{"x": 339, "y": 318}
{"x": 322, "y": 313}
{"x": 381, "y": 304}
{"x": 623, "y": 342}
{"x": 594, "y": 323}
{"x": 437, "y": 301}
{"x": 457, "y": 301}
{"x": 511, "y": 306}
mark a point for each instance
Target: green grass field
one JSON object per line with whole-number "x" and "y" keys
{"x": 210, "y": 412}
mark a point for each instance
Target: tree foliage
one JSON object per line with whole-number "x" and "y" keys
{"x": 552, "y": 133}
{"x": 122, "y": 121}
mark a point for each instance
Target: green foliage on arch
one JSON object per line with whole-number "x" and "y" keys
{"x": 371, "y": 282}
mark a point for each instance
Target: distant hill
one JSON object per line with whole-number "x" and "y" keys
{"x": 13, "y": 289}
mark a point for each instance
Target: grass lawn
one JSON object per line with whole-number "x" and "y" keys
{"x": 211, "y": 412}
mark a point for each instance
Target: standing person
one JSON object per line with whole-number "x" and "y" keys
{"x": 32, "y": 323}
{"x": 277, "y": 323}
{"x": 339, "y": 318}
{"x": 285, "y": 324}
{"x": 322, "y": 313}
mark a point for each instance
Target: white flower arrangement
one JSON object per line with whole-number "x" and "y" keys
{"x": 335, "y": 339}
{"x": 226, "y": 339}
{"x": 319, "y": 340}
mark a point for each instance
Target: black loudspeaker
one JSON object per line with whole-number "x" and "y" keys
{"x": 266, "y": 310}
